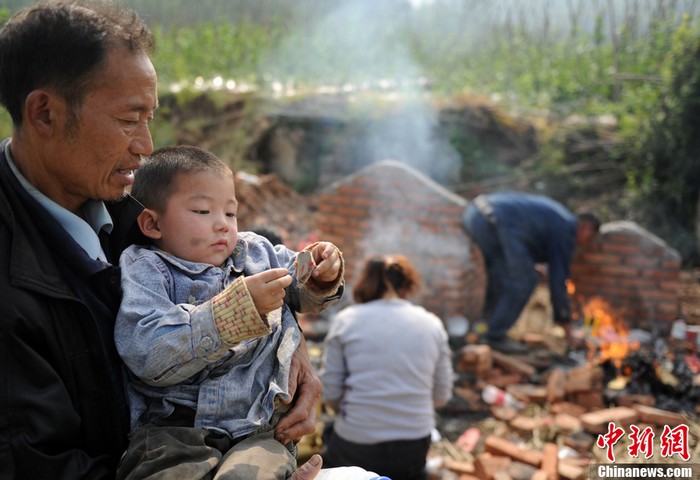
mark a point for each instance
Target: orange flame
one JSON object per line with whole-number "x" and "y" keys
{"x": 607, "y": 336}
{"x": 570, "y": 287}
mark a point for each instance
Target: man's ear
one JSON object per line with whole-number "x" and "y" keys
{"x": 41, "y": 109}
{"x": 148, "y": 223}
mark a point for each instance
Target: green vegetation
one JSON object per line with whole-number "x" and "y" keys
{"x": 665, "y": 178}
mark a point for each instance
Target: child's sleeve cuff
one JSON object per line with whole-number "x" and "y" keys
{"x": 235, "y": 315}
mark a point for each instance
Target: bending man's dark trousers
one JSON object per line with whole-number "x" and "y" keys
{"x": 510, "y": 283}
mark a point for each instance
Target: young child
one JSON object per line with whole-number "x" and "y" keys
{"x": 206, "y": 326}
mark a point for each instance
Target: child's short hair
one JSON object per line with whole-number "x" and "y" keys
{"x": 154, "y": 181}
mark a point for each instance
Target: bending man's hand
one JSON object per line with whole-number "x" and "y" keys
{"x": 305, "y": 388}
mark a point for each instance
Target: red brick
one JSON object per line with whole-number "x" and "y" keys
{"x": 672, "y": 264}
{"x": 550, "y": 461}
{"x": 581, "y": 270}
{"x": 663, "y": 275}
{"x": 596, "y": 422}
{"x": 619, "y": 270}
{"x": 656, "y": 294}
{"x": 666, "y": 319}
{"x": 502, "y": 447}
{"x": 624, "y": 247}
{"x": 349, "y": 211}
{"x": 637, "y": 283}
{"x": 670, "y": 285}
{"x": 349, "y": 190}
{"x": 603, "y": 259}
{"x": 658, "y": 416}
{"x": 642, "y": 261}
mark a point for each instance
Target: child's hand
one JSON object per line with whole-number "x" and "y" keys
{"x": 267, "y": 288}
{"x": 328, "y": 262}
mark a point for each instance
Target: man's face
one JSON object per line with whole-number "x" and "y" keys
{"x": 199, "y": 223}
{"x": 585, "y": 233}
{"x": 95, "y": 154}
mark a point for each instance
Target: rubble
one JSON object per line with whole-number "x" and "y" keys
{"x": 571, "y": 397}
{"x": 571, "y": 409}
{"x": 571, "y": 403}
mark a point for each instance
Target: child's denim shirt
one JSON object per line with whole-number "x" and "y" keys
{"x": 166, "y": 334}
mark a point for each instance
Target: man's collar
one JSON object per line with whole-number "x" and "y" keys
{"x": 84, "y": 231}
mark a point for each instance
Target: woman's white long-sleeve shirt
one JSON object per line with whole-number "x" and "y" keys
{"x": 388, "y": 364}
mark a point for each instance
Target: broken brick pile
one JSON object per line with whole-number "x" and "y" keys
{"x": 566, "y": 426}
{"x": 266, "y": 201}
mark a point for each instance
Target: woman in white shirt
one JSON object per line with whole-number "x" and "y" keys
{"x": 386, "y": 367}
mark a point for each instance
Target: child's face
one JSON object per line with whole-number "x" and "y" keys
{"x": 199, "y": 223}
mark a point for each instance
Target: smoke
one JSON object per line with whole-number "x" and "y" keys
{"x": 358, "y": 59}
{"x": 358, "y": 54}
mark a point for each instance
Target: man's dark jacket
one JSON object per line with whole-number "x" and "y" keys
{"x": 62, "y": 406}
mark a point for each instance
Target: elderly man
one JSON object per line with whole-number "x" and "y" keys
{"x": 79, "y": 85}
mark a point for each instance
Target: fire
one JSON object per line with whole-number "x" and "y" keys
{"x": 606, "y": 334}
{"x": 570, "y": 287}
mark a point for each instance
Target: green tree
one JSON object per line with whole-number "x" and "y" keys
{"x": 666, "y": 179}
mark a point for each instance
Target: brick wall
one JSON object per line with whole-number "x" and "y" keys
{"x": 389, "y": 208}
{"x": 635, "y": 272}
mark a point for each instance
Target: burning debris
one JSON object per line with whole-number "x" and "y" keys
{"x": 636, "y": 363}
{"x": 555, "y": 412}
